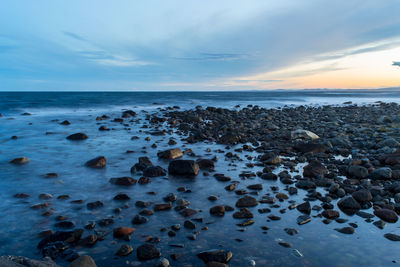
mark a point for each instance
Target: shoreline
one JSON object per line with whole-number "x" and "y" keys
{"x": 263, "y": 164}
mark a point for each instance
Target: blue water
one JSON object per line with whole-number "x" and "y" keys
{"x": 19, "y": 225}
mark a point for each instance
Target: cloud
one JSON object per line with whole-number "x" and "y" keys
{"x": 215, "y": 57}
{"x": 74, "y": 36}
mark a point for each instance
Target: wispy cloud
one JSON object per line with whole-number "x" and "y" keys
{"x": 216, "y": 57}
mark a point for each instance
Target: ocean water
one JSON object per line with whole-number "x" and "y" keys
{"x": 42, "y": 139}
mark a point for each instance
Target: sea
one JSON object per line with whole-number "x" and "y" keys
{"x": 34, "y": 119}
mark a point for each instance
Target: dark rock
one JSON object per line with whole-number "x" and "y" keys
{"x": 122, "y": 197}
{"x": 189, "y": 224}
{"x": 348, "y": 205}
{"x": 138, "y": 219}
{"x": 218, "y": 210}
{"x": 98, "y": 162}
{"x": 124, "y": 181}
{"x": 19, "y": 161}
{"x": 163, "y": 206}
{"x": 124, "y": 250}
{"x": 346, "y": 230}
{"x": 205, "y": 164}
{"x": 386, "y": 215}
{"x": 77, "y": 137}
{"x": 315, "y": 169}
{"x": 147, "y": 252}
{"x": 170, "y": 154}
{"x": 154, "y": 171}
{"x": 384, "y": 173}
{"x": 362, "y": 196}
{"x": 121, "y": 232}
{"x": 83, "y": 261}
{"x": 243, "y": 213}
{"x": 183, "y": 167}
{"x": 392, "y": 237}
{"x": 215, "y": 255}
{"x": 358, "y": 172}
{"x": 246, "y": 201}
{"x": 94, "y": 205}
{"x": 304, "y": 207}
{"x": 330, "y": 214}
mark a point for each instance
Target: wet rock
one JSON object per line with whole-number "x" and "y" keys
{"x": 246, "y": 201}
{"x": 313, "y": 148}
{"x": 304, "y": 207}
{"x": 121, "y": 232}
{"x": 358, "y": 172}
{"x": 154, "y": 171}
{"x": 255, "y": 187}
{"x": 348, "y": 205}
{"x": 186, "y": 212}
{"x": 281, "y": 196}
{"x": 144, "y": 180}
{"x": 243, "y": 213}
{"x": 138, "y": 219}
{"x": 62, "y": 236}
{"x": 65, "y": 224}
{"x": 19, "y": 261}
{"x": 83, "y": 261}
{"x": 21, "y": 195}
{"x": 122, "y": 197}
{"x": 89, "y": 240}
{"x": 315, "y": 169}
{"x": 189, "y": 224}
{"x": 218, "y": 210}
{"x": 380, "y": 224}
{"x": 215, "y": 255}
{"x": 163, "y": 206}
{"x": 94, "y": 205}
{"x": 384, "y": 173}
{"x": 124, "y": 250}
{"x": 77, "y": 137}
{"x": 269, "y": 176}
{"x": 147, "y": 252}
{"x": 386, "y": 215}
{"x": 303, "y": 219}
{"x": 346, "y": 230}
{"x": 19, "y": 161}
{"x": 205, "y": 164}
{"x": 170, "y": 154}
{"x": 163, "y": 262}
{"x": 66, "y": 122}
{"x": 171, "y": 197}
{"x": 330, "y": 214}
{"x": 392, "y": 237}
{"x": 291, "y": 231}
{"x": 362, "y": 196}
{"x": 123, "y": 181}
{"x": 98, "y": 162}
{"x": 183, "y": 167}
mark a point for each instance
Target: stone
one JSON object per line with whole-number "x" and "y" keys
{"x": 205, "y": 164}
{"x": 358, "y": 172}
{"x": 330, "y": 214}
{"x": 304, "y": 207}
{"x": 94, "y": 205}
{"x": 243, "y": 213}
{"x": 20, "y": 161}
{"x": 170, "y": 154}
{"x": 121, "y": 232}
{"x": 122, "y": 197}
{"x": 348, "y": 205}
{"x": 154, "y": 171}
{"x": 303, "y": 134}
{"x": 89, "y": 240}
{"x": 362, "y": 196}
{"x": 216, "y": 255}
{"x": 77, "y": 137}
{"x": 313, "y": 148}
{"x": 162, "y": 206}
{"x": 291, "y": 231}
{"x": 303, "y": 219}
{"x": 98, "y": 162}
{"x": 314, "y": 169}
{"x": 346, "y": 230}
{"x": 123, "y": 181}
{"x": 392, "y": 237}
{"x": 138, "y": 219}
{"x": 147, "y": 252}
{"x": 384, "y": 173}
{"x": 189, "y": 224}
{"x": 183, "y": 167}
{"x": 246, "y": 201}
{"x": 386, "y": 215}
{"x": 124, "y": 250}
{"x": 83, "y": 261}
{"x": 218, "y": 210}
{"x": 19, "y": 261}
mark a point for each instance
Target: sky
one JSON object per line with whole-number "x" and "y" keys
{"x": 129, "y": 45}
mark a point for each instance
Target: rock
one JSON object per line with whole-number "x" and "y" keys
{"x": 189, "y": 224}
{"x": 144, "y": 180}
{"x": 346, "y": 230}
{"x": 124, "y": 250}
{"x": 69, "y": 237}
{"x": 330, "y": 214}
{"x": 384, "y": 173}
{"x": 388, "y": 142}
{"x": 143, "y": 163}
{"x": 243, "y": 213}
{"x": 255, "y": 187}
{"x": 358, "y": 172}
{"x": 19, "y": 161}
{"x": 291, "y": 231}
{"x": 303, "y": 134}
{"x": 124, "y": 181}
{"x": 77, "y": 137}
{"x": 170, "y": 154}
{"x": 83, "y": 261}
{"x": 89, "y": 240}
{"x": 98, "y": 162}
{"x": 21, "y": 195}
{"x": 215, "y": 255}
{"x": 246, "y": 201}
{"x": 163, "y": 262}
{"x": 122, "y": 197}
{"x": 19, "y": 261}
{"x": 269, "y": 176}
{"x": 386, "y": 215}
{"x": 163, "y": 206}
{"x": 183, "y": 167}
{"x": 205, "y": 164}
{"x": 313, "y": 148}
{"x": 281, "y": 196}
{"x": 147, "y": 252}
{"x": 218, "y": 210}
{"x": 348, "y": 205}
{"x": 138, "y": 219}
{"x": 392, "y": 237}
{"x": 362, "y": 196}
{"x": 216, "y": 264}
{"x": 121, "y": 232}
{"x": 154, "y": 171}
{"x": 380, "y": 224}
{"x": 303, "y": 219}
{"x": 314, "y": 169}
{"x": 94, "y": 205}
{"x": 304, "y": 207}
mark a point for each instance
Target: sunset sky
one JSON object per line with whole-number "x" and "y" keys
{"x": 169, "y": 45}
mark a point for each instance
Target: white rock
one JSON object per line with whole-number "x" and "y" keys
{"x": 303, "y": 134}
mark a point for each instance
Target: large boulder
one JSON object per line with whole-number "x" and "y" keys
{"x": 20, "y": 261}
{"x": 349, "y": 205}
{"x": 183, "y": 167}
{"x": 303, "y": 134}
{"x": 386, "y": 215}
{"x": 83, "y": 261}
{"x": 384, "y": 173}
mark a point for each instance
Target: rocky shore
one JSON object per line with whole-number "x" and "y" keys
{"x": 342, "y": 160}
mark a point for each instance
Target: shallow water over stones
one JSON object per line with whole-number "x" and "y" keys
{"x": 264, "y": 240}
